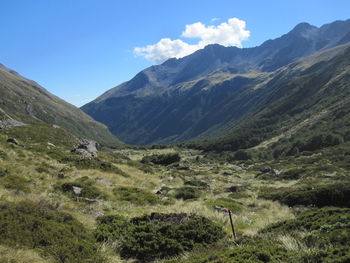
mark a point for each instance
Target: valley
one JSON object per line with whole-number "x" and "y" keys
{"x": 124, "y": 184}
{"x": 149, "y": 170}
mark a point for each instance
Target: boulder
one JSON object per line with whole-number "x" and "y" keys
{"x": 12, "y": 140}
{"x": 77, "y": 190}
{"x": 265, "y": 169}
{"x": 86, "y": 148}
{"x": 8, "y": 123}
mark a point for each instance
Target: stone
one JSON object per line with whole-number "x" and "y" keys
{"x": 8, "y": 123}
{"x": 96, "y": 213}
{"x": 77, "y": 190}
{"x": 265, "y": 169}
{"x": 12, "y": 140}
{"x": 86, "y": 148}
{"x": 51, "y": 144}
{"x": 227, "y": 173}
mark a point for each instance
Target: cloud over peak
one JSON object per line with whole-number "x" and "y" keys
{"x": 230, "y": 33}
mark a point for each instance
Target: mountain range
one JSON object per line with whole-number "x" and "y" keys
{"x": 218, "y": 92}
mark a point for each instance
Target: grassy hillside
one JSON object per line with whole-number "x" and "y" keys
{"x": 24, "y": 100}
{"x": 158, "y": 205}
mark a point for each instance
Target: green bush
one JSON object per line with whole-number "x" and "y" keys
{"x": 162, "y": 159}
{"x": 186, "y": 193}
{"x": 15, "y": 182}
{"x": 111, "y": 227}
{"x": 3, "y": 155}
{"x": 159, "y": 235}
{"x": 326, "y": 228}
{"x": 248, "y": 250}
{"x": 336, "y": 194}
{"x": 241, "y": 155}
{"x": 38, "y": 226}
{"x": 89, "y": 190}
{"x": 135, "y": 195}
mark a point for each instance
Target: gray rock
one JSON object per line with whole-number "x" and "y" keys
{"x": 276, "y": 172}
{"x": 62, "y": 175}
{"x": 86, "y": 148}
{"x": 227, "y": 173}
{"x": 96, "y": 213}
{"x": 12, "y": 140}
{"x": 51, "y": 144}
{"x": 265, "y": 169}
{"x": 77, "y": 190}
{"x": 8, "y": 123}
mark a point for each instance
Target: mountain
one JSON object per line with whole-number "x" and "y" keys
{"x": 208, "y": 92}
{"x": 24, "y": 101}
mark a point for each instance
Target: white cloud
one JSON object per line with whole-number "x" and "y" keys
{"x": 214, "y": 19}
{"x": 230, "y": 33}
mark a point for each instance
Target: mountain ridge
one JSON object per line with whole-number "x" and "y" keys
{"x": 174, "y": 101}
{"x": 25, "y": 101}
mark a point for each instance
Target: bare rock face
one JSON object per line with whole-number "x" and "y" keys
{"x": 8, "y": 123}
{"x": 86, "y": 149}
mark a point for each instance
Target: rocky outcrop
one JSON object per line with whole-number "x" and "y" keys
{"x": 86, "y": 149}
{"x": 8, "y": 123}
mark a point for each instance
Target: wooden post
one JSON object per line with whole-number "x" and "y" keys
{"x": 233, "y": 230}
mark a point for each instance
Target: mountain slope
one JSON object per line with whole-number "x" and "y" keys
{"x": 207, "y": 93}
{"x": 25, "y": 101}
{"x": 300, "y": 98}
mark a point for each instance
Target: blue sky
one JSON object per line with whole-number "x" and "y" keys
{"x": 78, "y": 49}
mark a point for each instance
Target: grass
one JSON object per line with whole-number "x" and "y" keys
{"x": 131, "y": 193}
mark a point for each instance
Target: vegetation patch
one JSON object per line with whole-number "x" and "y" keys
{"x": 186, "y": 192}
{"x": 14, "y": 181}
{"x": 38, "y": 226}
{"x": 158, "y": 235}
{"x": 197, "y": 183}
{"x": 135, "y": 195}
{"x": 225, "y": 203}
{"x": 94, "y": 163}
{"x": 335, "y": 194}
{"x": 162, "y": 159}
{"x": 88, "y": 189}
{"x": 327, "y": 229}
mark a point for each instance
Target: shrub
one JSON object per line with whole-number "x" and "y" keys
{"x": 242, "y": 155}
{"x": 135, "y": 195}
{"x": 319, "y": 195}
{"x": 186, "y": 193}
{"x": 159, "y": 235}
{"x": 162, "y": 159}
{"x": 110, "y": 227}
{"x": 324, "y": 226}
{"x": 15, "y": 182}
{"x": 89, "y": 190}
{"x": 38, "y": 226}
